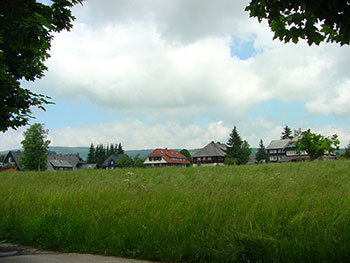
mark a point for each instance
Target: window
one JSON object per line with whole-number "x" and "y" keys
{"x": 272, "y": 151}
{"x": 291, "y": 153}
{"x": 273, "y": 158}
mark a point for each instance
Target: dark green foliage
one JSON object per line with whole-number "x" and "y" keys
{"x": 138, "y": 162}
{"x": 99, "y": 154}
{"x": 347, "y": 152}
{"x": 2, "y": 157}
{"x": 187, "y": 154}
{"x": 316, "y": 21}
{"x": 26, "y": 31}
{"x": 35, "y": 148}
{"x": 120, "y": 149}
{"x": 237, "y": 149}
{"x": 125, "y": 162}
{"x": 91, "y": 154}
{"x": 317, "y": 145}
{"x": 287, "y": 133}
{"x": 261, "y": 155}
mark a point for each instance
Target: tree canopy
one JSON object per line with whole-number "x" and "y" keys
{"x": 261, "y": 155}
{"x": 238, "y": 151}
{"x": 187, "y": 154}
{"x": 287, "y": 133}
{"x": 315, "y": 21}
{"x": 26, "y": 31}
{"x": 317, "y": 145}
{"x": 35, "y": 148}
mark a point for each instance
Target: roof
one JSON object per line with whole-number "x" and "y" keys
{"x": 16, "y": 155}
{"x": 60, "y": 164}
{"x": 170, "y": 156}
{"x": 279, "y": 144}
{"x": 114, "y": 157}
{"x": 72, "y": 159}
{"x": 211, "y": 150}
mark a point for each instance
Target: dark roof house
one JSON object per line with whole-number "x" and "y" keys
{"x": 111, "y": 161}
{"x": 64, "y": 162}
{"x": 212, "y": 154}
{"x": 12, "y": 158}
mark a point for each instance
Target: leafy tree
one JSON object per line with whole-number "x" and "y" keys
{"x": 138, "y": 162}
{"x": 187, "y": 154}
{"x": 35, "y": 148}
{"x": 261, "y": 155}
{"x": 316, "y": 21}
{"x": 317, "y": 145}
{"x": 297, "y": 133}
{"x": 347, "y": 152}
{"x": 237, "y": 149}
{"x": 26, "y": 31}
{"x": 91, "y": 154}
{"x": 125, "y": 162}
{"x": 286, "y": 133}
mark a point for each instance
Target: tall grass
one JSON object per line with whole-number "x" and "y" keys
{"x": 296, "y": 212}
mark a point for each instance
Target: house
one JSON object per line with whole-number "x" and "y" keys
{"x": 211, "y": 155}
{"x": 279, "y": 151}
{"x": 111, "y": 161}
{"x": 165, "y": 158}
{"x": 64, "y": 162}
{"x": 12, "y": 158}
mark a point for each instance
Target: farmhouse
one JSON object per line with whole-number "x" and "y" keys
{"x": 111, "y": 161}
{"x": 164, "y": 157}
{"x": 64, "y": 162}
{"x": 12, "y": 158}
{"x": 211, "y": 155}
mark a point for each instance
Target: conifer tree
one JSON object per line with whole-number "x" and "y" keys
{"x": 286, "y": 133}
{"x": 120, "y": 149}
{"x": 91, "y": 155}
{"x": 261, "y": 155}
{"x": 238, "y": 151}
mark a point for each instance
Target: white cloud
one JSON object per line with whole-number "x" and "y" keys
{"x": 170, "y": 61}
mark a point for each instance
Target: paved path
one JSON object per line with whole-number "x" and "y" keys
{"x": 22, "y": 254}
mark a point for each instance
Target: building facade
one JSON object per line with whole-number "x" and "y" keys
{"x": 165, "y": 158}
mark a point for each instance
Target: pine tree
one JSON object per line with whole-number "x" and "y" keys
{"x": 120, "y": 149}
{"x": 91, "y": 155}
{"x": 286, "y": 133}
{"x": 35, "y": 148}
{"x": 261, "y": 155}
{"x": 238, "y": 151}
{"x": 234, "y": 144}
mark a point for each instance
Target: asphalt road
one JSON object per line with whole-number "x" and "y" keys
{"x": 22, "y": 254}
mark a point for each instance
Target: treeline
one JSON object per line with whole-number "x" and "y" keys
{"x": 100, "y": 153}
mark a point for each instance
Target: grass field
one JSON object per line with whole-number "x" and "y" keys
{"x": 294, "y": 212}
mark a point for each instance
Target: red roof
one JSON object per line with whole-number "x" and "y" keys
{"x": 170, "y": 156}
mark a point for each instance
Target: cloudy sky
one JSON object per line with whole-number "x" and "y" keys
{"x": 182, "y": 73}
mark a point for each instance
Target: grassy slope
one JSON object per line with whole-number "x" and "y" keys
{"x": 263, "y": 213}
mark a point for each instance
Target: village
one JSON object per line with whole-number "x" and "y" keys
{"x": 285, "y": 149}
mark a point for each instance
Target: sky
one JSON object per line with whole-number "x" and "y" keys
{"x": 182, "y": 73}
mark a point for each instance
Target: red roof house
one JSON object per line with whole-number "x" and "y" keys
{"x": 165, "y": 158}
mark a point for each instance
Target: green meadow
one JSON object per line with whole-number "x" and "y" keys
{"x": 293, "y": 212}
